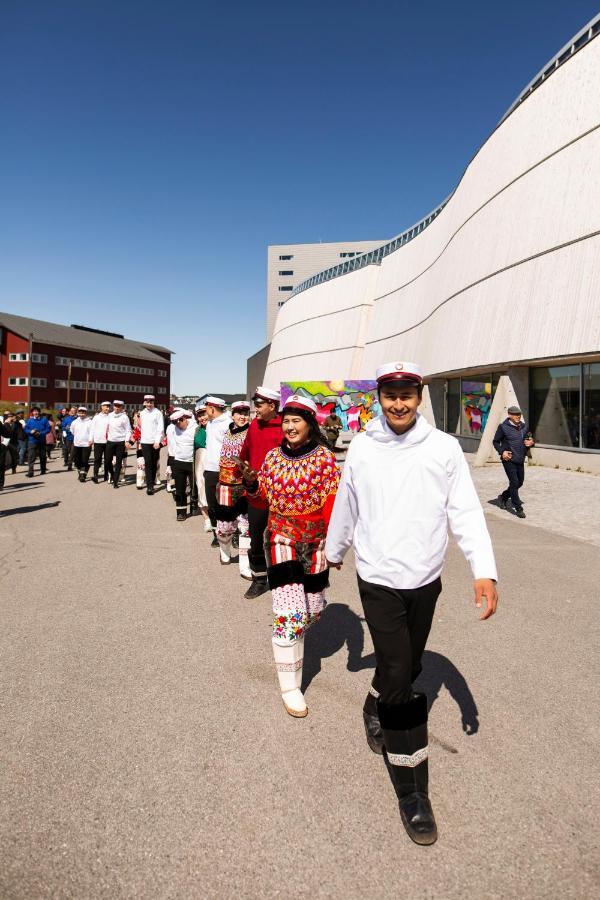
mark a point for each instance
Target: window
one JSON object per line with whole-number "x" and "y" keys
{"x": 468, "y": 404}
{"x": 286, "y": 272}
{"x": 290, "y": 256}
{"x": 350, "y": 255}
{"x": 590, "y": 426}
{"x": 555, "y": 392}
{"x": 38, "y": 382}
{"x": 280, "y": 303}
{"x": 39, "y": 357}
{"x": 18, "y": 382}
{"x": 286, "y": 288}
{"x": 18, "y": 357}
{"x": 162, "y": 373}
{"x": 452, "y": 405}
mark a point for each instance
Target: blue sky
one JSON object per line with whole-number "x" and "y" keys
{"x": 151, "y": 151}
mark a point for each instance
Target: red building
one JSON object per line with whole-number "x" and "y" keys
{"x": 51, "y": 365}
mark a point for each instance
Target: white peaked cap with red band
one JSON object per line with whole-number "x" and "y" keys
{"x": 82, "y": 409}
{"x": 216, "y": 401}
{"x": 148, "y": 396}
{"x": 118, "y": 403}
{"x": 265, "y": 393}
{"x": 240, "y": 404}
{"x": 105, "y": 403}
{"x": 296, "y": 401}
{"x": 180, "y": 414}
{"x": 399, "y": 371}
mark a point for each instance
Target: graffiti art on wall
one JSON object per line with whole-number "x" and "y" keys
{"x": 476, "y": 403}
{"x": 355, "y": 402}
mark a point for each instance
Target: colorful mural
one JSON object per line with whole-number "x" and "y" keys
{"x": 355, "y": 402}
{"x": 476, "y": 404}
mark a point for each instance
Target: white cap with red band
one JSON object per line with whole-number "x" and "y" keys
{"x": 82, "y": 409}
{"x": 267, "y": 394}
{"x": 296, "y": 401}
{"x": 118, "y": 403}
{"x": 215, "y": 401}
{"x": 105, "y": 403}
{"x": 399, "y": 371}
{"x": 240, "y": 404}
{"x": 180, "y": 414}
{"x": 148, "y": 396}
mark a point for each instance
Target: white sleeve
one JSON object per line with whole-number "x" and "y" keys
{"x": 344, "y": 517}
{"x": 127, "y": 429}
{"x": 466, "y": 519}
{"x": 160, "y": 429}
{"x": 171, "y": 440}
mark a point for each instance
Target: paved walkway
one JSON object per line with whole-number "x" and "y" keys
{"x": 145, "y": 753}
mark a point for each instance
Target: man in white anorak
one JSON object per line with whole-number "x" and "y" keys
{"x": 404, "y": 483}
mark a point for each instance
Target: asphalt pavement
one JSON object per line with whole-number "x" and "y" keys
{"x": 145, "y": 751}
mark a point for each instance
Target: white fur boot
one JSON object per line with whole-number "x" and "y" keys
{"x": 225, "y": 549}
{"x": 288, "y": 662}
{"x": 243, "y": 547}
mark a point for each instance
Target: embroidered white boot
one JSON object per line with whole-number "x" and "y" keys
{"x": 243, "y": 547}
{"x": 224, "y": 549}
{"x": 288, "y": 662}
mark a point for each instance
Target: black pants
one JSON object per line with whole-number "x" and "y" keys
{"x": 81, "y": 458}
{"x": 183, "y": 473}
{"x": 68, "y": 451}
{"x": 399, "y": 622}
{"x": 3, "y": 461}
{"x": 211, "y": 479}
{"x": 257, "y": 524}
{"x": 33, "y": 452}
{"x": 116, "y": 449}
{"x": 100, "y": 459}
{"x": 11, "y": 458}
{"x": 515, "y": 472}
{"x": 151, "y": 457}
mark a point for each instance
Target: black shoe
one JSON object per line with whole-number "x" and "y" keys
{"x": 150, "y": 491}
{"x": 373, "y": 728}
{"x": 95, "y": 479}
{"x": 69, "y": 468}
{"x": 194, "y": 510}
{"x": 115, "y": 485}
{"x": 258, "y": 587}
{"x": 501, "y": 502}
{"x": 214, "y": 542}
{"x": 520, "y": 512}
{"x": 418, "y": 819}
{"x": 29, "y": 475}
{"x": 82, "y": 477}
{"x": 181, "y": 515}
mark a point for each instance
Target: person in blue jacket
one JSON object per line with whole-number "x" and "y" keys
{"x": 67, "y": 437}
{"x": 36, "y": 429}
{"x": 512, "y": 440}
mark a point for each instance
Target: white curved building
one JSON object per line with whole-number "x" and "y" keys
{"x": 498, "y": 287}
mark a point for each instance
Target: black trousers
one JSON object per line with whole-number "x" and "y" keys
{"x": 183, "y": 473}
{"x": 100, "y": 459}
{"x": 257, "y": 524}
{"x": 81, "y": 458}
{"x": 35, "y": 451}
{"x": 116, "y": 449}
{"x": 515, "y": 472}
{"x": 399, "y": 622}
{"x": 211, "y": 480}
{"x": 150, "y": 462}
{"x": 12, "y": 457}
{"x": 3, "y": 461}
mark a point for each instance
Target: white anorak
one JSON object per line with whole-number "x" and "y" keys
{"x": 119, "y": 427}
{"x": 180, "y": 442}
{"x": 397, "y": 496}
{"x": 152, "y": 426}
{"x": 99, "y": 428}
{"x": 215, "y": 433}
{"x": 81, "y": 429}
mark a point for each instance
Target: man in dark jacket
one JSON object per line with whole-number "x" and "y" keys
{"x": 512, "y": 442}
{"x": 67, "y": 436}
{"x": 36, "y": 429}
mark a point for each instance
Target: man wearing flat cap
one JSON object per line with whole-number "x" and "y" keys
{"x": 404, "y": 483}
{"x": 512, "y": 441}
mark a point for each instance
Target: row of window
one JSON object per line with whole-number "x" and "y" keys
{"x": 286, "y": 271}
{"x": 103, "y": 386}
{"x": 564, "y": 405}
{"x": 286, "y": 256}
{"x": 286, "y": 288}
{"x": 109, "y": 367}
{"x": 349, "y": 254}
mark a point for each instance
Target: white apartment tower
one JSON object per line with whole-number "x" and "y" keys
{"x": 288, "y": 265}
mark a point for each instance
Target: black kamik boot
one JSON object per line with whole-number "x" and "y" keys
{"x": 181, "y": 515}
{"x": 194, "y": 510}
{"x": 405, "y": 736}
{"x": 372, "y": 724}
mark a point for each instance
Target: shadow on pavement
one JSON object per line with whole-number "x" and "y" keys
{"x": 439, "y": 672}
{"x": 27, "y": 509}
{"x": 339, "y": 626}
{"x": 22, "y": 485}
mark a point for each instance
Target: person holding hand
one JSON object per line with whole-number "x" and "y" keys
{"x": 404, "y": 483}
{"x": 512, "y": 441}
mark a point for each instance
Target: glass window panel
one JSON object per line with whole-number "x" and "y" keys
{"x": 453, "y": 405}
{"x": 590, "y": 430}
{"x": 555, "y": 405}
{"x": 475, "y": 404}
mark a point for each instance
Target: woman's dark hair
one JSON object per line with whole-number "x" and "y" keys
{"x": 314, "y": 432}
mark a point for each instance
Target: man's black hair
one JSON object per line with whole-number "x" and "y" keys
{"x": 404, "y": 383}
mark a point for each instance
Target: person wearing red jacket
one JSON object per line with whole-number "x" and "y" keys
{"x": 264, "y": 434}
{"x": 299, "y": 481}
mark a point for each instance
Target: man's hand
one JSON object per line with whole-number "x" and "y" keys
{"x": 485, "y": 587}
{"x": 506, "y": 454}
{"x": 333, "y": 565}
{"x": 248, "y": 474}
{"x": 157, "y": 445}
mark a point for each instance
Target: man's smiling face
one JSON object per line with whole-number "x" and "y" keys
{"x": 399, "y": 403}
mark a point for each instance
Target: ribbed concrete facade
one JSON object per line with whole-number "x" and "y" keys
{"x": 506, "y": 275}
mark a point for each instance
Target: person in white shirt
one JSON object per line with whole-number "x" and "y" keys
{"x": 81, "y": 429}
{"x": 216, "y": 427}
{"x": 404, "y": 483}
{"x": 180, "y": 443}
{"x": 152, "y": 431}
{"x": 118, "y": 433}
{"x": 98, "y": 438}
